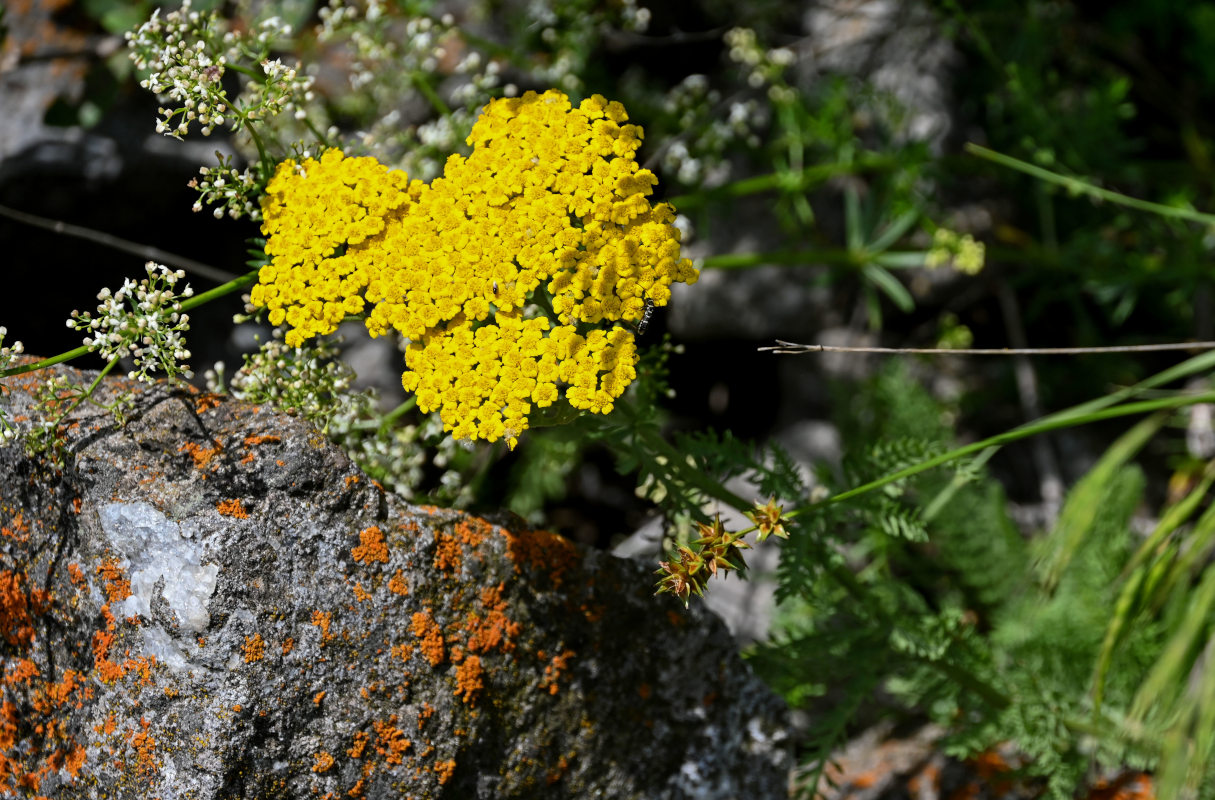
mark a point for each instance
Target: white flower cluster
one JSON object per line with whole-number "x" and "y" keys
{"x": 142, "y": 320}
{"x": 227, "y": 189}
{"x": 709, "y": 132}
{"x": 766, "y": 66}
{"x": 7, "y": 354}
{"x": 187, "y": 53}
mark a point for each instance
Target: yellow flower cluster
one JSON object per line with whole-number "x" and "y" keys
{"x": 515, "y": 275}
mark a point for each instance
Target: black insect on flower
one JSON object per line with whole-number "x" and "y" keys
{"x": 644, "y": 323}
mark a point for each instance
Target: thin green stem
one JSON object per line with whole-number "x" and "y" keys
{"x": 428, "y": 91}
{"x": 1078, "y": 186}
{"x": 837, "y": 256}
{"x": 790, "y": 181}
{"x": 1051, "y": 423}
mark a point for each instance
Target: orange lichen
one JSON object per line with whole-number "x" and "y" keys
{"x": 76, "y": 574}
{"x": 492, "y": 629}
{"x": 427, "y": 630}
{"x": 317, "y": 698}
{"x": 360, "y": 744}
{"x": 472, "y": 531}
{"x": 145, "y": 749}
{"x": 117, "y": 586}
{"x": 390, "y": 740}
{"x": 202, "y": 455}
{"x": 77, "y": 504}
{"x": 232, "y": 508}
{"x": 402, "y": 651}
{"x": 321, "y": 619}
{"x": 397, "y": 585}
{"x": 206, "y": 402}
{"x": 469, "y": 679}
{"x": 269, "y": 438}
{"x": 371, "y": 547}
{"x": 351, "y": 479}
{"x": 448, "y": 553}
{"x": 324, "y": 761}
{"x": 361, "y": 594}
{"x": 541, "y": 550}
{"x": 288, "y": 645}
{"x": 18, "y": 607}
{"x": 553, "y": 670}
{"x": 445, "y": 769}
{"x": 426, "y": 713}
{"x": 255, "y": 648}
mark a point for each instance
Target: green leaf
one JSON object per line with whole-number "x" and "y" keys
{"x": 890, "y": 286}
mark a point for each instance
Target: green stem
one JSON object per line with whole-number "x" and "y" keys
{"x": 1051, "y": 423}
{"x": 193, "y": 302}
{"x": 1078, "y": 186}
{"x": 428, "y": 91}
{"x": 791, "y": 181}
{"x": 838, "y": 256}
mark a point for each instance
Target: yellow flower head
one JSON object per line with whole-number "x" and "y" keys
{"x": 515, "y": 276}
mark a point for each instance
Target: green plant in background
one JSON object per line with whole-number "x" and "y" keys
{"x": 908, "y": 592}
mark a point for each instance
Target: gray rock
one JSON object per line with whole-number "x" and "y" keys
{"x": 213, "y": 602}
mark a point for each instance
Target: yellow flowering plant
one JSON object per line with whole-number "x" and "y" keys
{"x": 517, "y": 276}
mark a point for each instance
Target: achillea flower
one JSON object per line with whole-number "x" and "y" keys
{"x": 516, "y": 275}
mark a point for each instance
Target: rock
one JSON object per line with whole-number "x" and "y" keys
{"x": 212, "y": 602}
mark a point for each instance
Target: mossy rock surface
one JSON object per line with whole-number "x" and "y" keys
{"x": 213, "y": 602}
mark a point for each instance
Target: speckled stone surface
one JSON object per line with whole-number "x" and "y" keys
{"x": 213, "y": 602}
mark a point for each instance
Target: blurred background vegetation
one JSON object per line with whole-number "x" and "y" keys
{"x": 1052, "y": 599}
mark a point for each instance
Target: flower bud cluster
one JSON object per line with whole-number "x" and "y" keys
{"x": 7, "y": 354}
{"x": 142, "y": 320}
{"x": 228, "y": 190}
{"x": 688, "y": 569}
{"x": 961, "y": 251}
{"x": 186, "y": 55}
{"x": 765, "y": 66}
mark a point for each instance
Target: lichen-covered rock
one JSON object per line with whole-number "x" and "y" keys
{"x": 212, "y": 602}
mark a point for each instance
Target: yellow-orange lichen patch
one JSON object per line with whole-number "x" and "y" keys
{"x": 317, "y": 698}
{"x": 145, "y": 749}
{"x": 269, "y": 438}
{"x": 322, "y": 619}
{"x": 76, "y": 574}
{"x": 471, "y": 531}
{"x": 401, "y": 651}
{"x": 371, "y": 547}
{"x": 360, "y": 744}
{"x": 448, "y": 553}
{"x": 206, "y": 402}
{"x": 255, "y": 648}
{"x": 18, "y": 607}
{"x": 445, "y": 769}
{"x": 18, "y": 529}
{"x": 117, "y": 586}
{"x": 427, "y": 630}
{"x": 202, "y": 455}
{"x": 397, "y": 585}
{"x": 541, "y": 550}
{"x": 232, "y": 508}
{"x": 288, "y": 645}
{"x": 553, "y": 670}
{"x": 390, "y": 740}
{"x": 470, "y": 679}
{"x": 323, "y": 762}
{"x": 361, "y": 594}
{"x": 492, "y": 629}
{"x": 426, "y": 713}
